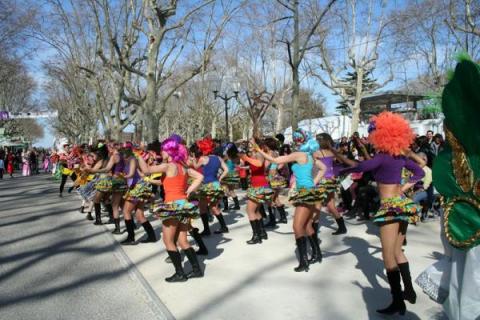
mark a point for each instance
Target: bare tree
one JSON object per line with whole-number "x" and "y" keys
{"x": 258, "y": 105}
{"x": 169, "y": 34}
{"x": 362, "y": 32}
{"x": 74, "y": 98}
{"x": 464, "y": 22}
{"x": 117, "y": 42}
{"x": 299, "y": 43}
{"x": 424, "y": 40}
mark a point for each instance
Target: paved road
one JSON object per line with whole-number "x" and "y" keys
{"x": 54, "y": 264}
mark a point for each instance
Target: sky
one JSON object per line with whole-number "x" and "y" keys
{"x": 35, "y": 67}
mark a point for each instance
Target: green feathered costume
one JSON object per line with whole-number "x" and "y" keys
{"x": 456, "y": 175}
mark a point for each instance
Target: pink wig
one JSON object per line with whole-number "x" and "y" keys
{"x": 390, "y": 133}
{"x": 177, "y": 151}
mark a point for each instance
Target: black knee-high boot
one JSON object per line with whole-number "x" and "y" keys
{"x": 223, "y": 226}
{"x": 98, "y": 214}
{"x": 225, "y": 204}
{"x": 263, "y": 233}
{"x": 316, "y": 252}
{"x": 302, "y": 255}
{"x": 110, "y": 213}
{"x": 202, "y": 249}
{"x": 341, "y": 226}
{"x": 206, "y": 227}
{"x": 179, "y": 275}
{"x": 283, "y": 214}
{"x": 192, "y": 258}
{"x": 117, "y": 226}
{"x": 315, "y": 226}
{"x": 89, "y": 213}
{"x": 237, "y": 204}
{"x": 131, "y": 233}
{"x": 150, "y": 233}
{"x": 408, "y": 292}
{"x": 261, "y": 209}
{"x": 256, "y": 229}
{"x": 272, "y": 222}
{"x": 397, "y": 305}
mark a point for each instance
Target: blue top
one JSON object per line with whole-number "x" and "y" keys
{"x": 303, "y": 173}
{"x": 210, "y": 170}
{"x": 231, "y": 165}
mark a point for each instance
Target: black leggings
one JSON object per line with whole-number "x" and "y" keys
{"x": 64, "y": 180}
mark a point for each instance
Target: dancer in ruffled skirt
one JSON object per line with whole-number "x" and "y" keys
{"x": 211, "y": 191}
{"x": 305, "y": 196}
{"x": 139, "y": 193}
{"x": 392, "y": 136}
{"x": 175, "y": 210}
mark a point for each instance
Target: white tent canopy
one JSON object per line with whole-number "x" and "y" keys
{"x": 340, "y": 126}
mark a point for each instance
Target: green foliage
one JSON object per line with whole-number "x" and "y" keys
{"x": 433, "y": 106}
{"x": 369, "y": 84}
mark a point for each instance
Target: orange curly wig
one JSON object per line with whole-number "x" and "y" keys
{"x": 390, "y": 133}
{"x": 206, "y": 146}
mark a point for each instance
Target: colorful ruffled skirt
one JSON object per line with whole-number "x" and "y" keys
{"x": 277, "y": 182}
{"x": 231, "y": 179}
{"x": 182, "y": 210}
{"x": 211, "y": 192}
{"x": 140, "y": 192}
{"x": 397, "y": 209}
{"x": 119, "y": 184}
{"x": 307, "y": 196}
{"x": 83, "y": 179}
{"x": 104, "y": 183}
{"x": 88, "y": 191}
{"x": 260, "y": 194}
{"x": 330, "y": 185}
{"x": 67, "y": 171}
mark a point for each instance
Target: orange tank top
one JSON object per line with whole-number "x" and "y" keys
{"x": 176, "y": 186}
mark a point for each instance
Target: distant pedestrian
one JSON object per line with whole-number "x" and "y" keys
{"x": 25, "y": 164}
{"x": 2, "y": 167}
{"x": 10, "y": 164}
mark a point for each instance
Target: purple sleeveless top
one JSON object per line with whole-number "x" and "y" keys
{"x": 328, "y": 162}
{"x": 387, "y": 169}
{"x": 133, "y": 180}
{"x": 120, "y": 166}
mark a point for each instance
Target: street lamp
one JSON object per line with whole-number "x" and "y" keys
{"x": 225, "y": 99}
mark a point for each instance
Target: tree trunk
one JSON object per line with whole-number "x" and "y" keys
{"x": 245, "y": 131}
{"x": 358, "y": 98}
{"x": 150, "y": 119}
{"x": 256, "y": 130}
{"x": 295, "y": 66}
{"x": 213, "y": 132}
{"x": 230, "y": 133}
{"x": 117, "y": 133}
{"x": 280, "y": 114}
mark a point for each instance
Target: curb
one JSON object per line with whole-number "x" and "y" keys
{"x": 156, "y": 305}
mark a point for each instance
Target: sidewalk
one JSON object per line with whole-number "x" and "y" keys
{"x": 258, "y": 282}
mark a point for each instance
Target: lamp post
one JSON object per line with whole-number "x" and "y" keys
{"x": 225, "y": 99}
